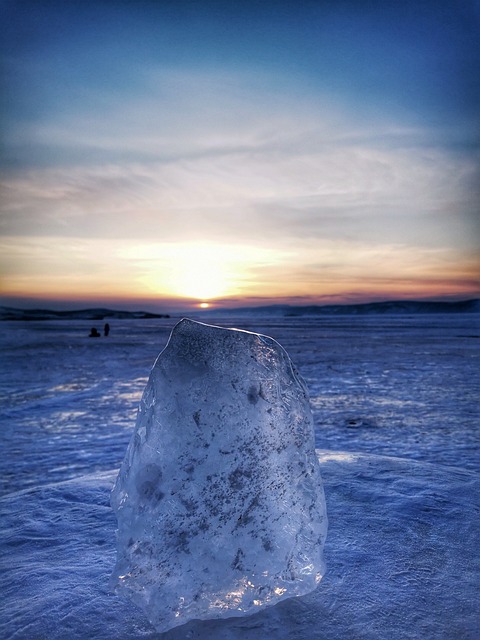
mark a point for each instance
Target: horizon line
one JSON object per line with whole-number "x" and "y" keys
{"x": 205, "y": 308}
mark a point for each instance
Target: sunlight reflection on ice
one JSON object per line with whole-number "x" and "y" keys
{"x": 73, "y": 386}
{"x": 233, "y": 599}
{"x": 333, "y": 400}
{"x": 337, "y": 456}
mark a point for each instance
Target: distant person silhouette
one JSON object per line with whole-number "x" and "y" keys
{"x": 106, "y": 329}
{"x": 94, "y": 333}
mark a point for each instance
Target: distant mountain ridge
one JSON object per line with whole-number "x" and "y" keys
{"x": 396, "y": 307}
{"x": 11, "y": 313}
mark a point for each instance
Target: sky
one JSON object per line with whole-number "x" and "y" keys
{"x": 161, "y": 155}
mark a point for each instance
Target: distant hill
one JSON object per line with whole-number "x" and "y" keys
{"x": 398, "y": 307}
{"x": 10, "y": 313}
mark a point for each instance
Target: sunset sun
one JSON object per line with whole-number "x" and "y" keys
{"x": 200, "y": 272}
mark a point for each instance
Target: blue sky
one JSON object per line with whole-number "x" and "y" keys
{"x": 231, "y": 153}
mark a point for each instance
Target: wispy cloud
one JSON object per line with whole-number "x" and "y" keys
{"x": 353, "y": 191}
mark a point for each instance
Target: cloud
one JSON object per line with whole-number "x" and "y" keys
{"x": 307, "y": 196}
{"x": 386, "y": 195}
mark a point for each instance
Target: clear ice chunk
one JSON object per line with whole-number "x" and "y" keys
{"x": 219, "y": 499}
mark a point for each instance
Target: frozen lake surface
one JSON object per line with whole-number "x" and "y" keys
{"x": 395, "y": 403}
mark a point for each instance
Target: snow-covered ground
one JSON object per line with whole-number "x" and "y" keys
{"x": 395, "y": 402}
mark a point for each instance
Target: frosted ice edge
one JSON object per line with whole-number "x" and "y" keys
{"x": 219, "y": 499}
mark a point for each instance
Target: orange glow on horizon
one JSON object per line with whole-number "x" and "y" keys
{"x": 196, "y": 275}
{"x": 327, "y": 292}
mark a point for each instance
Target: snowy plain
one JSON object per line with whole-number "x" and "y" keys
{"x": 395, "y": 405}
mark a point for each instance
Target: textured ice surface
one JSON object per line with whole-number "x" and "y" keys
{"x": 403, "y": 538}
{"x": 405, "y": 569}
{"x": 219, "y": 499}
